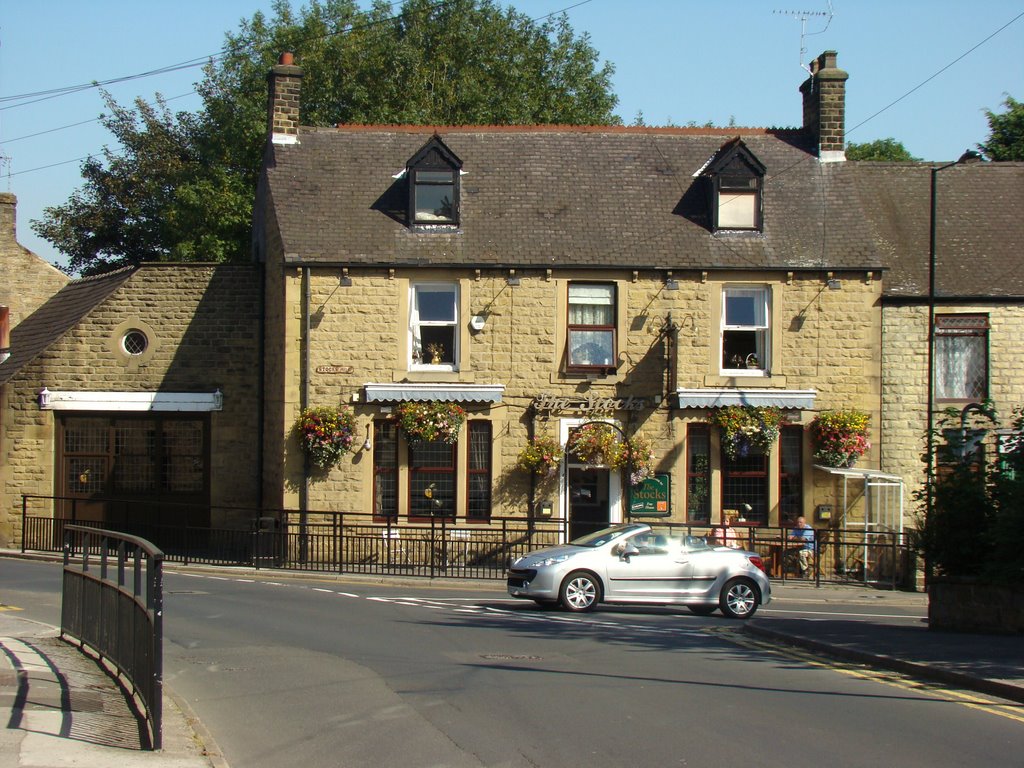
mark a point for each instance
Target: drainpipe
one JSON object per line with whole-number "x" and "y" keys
{"x": 307, "y": 292}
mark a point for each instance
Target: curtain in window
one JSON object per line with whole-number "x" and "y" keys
{"x": 960, "y": 367}
{"x": 591, "y": 304}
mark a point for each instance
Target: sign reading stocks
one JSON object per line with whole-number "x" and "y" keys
{"x": 653, "y": 497}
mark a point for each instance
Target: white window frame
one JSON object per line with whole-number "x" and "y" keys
{"x": 761, "y": 326}
{"x": 418, "y": 355}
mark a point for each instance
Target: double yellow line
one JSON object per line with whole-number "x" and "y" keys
{"x": 990, "y": 705}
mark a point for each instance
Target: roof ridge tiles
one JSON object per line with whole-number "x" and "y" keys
{"x": 551, "y": 128}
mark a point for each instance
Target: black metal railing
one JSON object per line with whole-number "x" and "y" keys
{"x": 112, "y": 602}
{"x": 352, "y": 542}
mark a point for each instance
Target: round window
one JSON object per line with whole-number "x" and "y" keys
{"x": 135, "y": 342}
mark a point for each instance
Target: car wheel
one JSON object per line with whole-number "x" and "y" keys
{"x": 580, "y": 591}
{"x": 702, "y": 610}
{"x": 739, "y": 599}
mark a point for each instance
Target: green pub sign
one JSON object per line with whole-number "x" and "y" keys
{"x": 652, "y": 498}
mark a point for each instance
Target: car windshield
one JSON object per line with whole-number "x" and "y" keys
{"x": 602, "y": 537}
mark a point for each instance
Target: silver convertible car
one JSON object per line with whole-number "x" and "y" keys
{"x": 632, "y": 563}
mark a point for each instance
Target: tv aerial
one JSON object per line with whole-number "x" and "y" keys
{"x": 804, "y": 16}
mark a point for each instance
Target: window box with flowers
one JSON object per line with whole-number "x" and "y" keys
{"x": 746, "y": 427}
{"x": 430, "y": 422}
{"x": 327, "y": 433}
{"x": 541, "y": 456}
{"x": 840, "y": 437}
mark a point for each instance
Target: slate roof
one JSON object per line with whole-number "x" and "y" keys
{"x": 561, "y": 196}
{"x": 52, "y": 320}
{"x": 979, "y": 249}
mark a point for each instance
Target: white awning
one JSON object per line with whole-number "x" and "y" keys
{"x": 193, "y": 402}
{"x": 719, "y": 398}
{"x": 450, "y": 393}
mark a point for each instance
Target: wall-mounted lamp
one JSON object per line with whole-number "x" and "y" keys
{"x": 367, "y": 445}
{"x": 671, "y": 284}
{"x": 44, "y": 398}
{"x": 512, "y": 279}
{"x": 834, "y": 284}
{"x": 344, "y": 279}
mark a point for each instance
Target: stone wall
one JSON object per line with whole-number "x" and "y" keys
{"x": 28, "y": 281}
{"x": 959, "y": 605}
{"x": 905, "y": 384}
{"x": 823, "y": 340}
{"x": 203, "y": 326}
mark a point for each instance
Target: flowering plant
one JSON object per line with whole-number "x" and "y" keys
{"x": 840, "y": 437}
{"x": 637, "y": 458}
{"x": 747, "y": 426}
{"x": 596, "y": 443}
{"x": 430, "y": 422}
{"x": 541, "y": 455}
{"x": 326, "y": 433}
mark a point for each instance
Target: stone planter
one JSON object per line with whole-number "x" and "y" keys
{"x": 970, "y": 605}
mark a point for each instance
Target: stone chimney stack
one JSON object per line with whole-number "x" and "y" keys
{"x": 285, "y": 91}
{"x": 825, "y": 107}
{"x": 8, "y": 216}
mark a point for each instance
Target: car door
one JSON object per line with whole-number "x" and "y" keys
{"x": 647, "y": 568}
{"x": 706, "y": 566}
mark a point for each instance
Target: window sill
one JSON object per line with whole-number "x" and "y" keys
{"x": 431, "y": 376}
{"x": 563, "y": 377}
{"x": 745, "y": 380}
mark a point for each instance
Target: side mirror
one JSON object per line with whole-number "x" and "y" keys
{"x": 628, "y": 550}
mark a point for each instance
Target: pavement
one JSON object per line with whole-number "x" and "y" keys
{"x": 66, "y": 709}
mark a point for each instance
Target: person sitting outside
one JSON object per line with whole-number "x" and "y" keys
{"x": 725, "y": 535}
{"x": 805, "y": 533}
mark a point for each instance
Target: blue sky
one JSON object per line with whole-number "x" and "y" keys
{"x": 676, "y": 60}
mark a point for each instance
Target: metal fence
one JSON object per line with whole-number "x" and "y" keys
{"x": 112, "y": 602}
{"x": 351, "y": 542}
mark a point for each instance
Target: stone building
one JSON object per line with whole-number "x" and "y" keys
{"x": 140, "y": 385}
{"x": 542, "y": 277}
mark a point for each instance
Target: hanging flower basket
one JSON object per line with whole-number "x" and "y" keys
{"x": 637, "y": 459}
{"x": 596, "y": 444}
{"x": 327, "y": 433}
{"x": 430, "y": 422}
{"x": 746, "y": 427}
{"x": 540, "y": 456}
{"x": 840, "y": 437}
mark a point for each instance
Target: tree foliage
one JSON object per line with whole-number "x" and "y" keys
{"x": 879, "y": 150}
{"x": 1006, "y": 132}
{"x": 181, "y": 186}
{"x": 975, "y": 526}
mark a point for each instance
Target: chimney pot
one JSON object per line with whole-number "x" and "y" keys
{"x": 287, "y": 58}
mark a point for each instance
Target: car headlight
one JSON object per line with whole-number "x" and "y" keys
{"x": 544, "y": 562}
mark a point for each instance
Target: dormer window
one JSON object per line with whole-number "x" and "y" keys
{"x": 433, "y": 175}
{"x": 736, "y": 178}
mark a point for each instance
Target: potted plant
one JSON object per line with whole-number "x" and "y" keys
{"x": 840, "y": 437}
{"x": 637, "y": 459}
{"x": 431, "y": 421}
{"x": 327, "y": 433}
{"x": 541, "y": 456}
{"x": 744, "y": 427}
{"x": 596, "y": 443}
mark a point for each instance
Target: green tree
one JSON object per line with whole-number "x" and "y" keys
{"x": 181, "y": 186}
{"x": 1006, "y": 132}
{"x": 880, "y": 149}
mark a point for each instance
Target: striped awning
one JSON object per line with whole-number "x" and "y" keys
{"x": 449, "y": 393}
{"x": 802, "y": 399}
